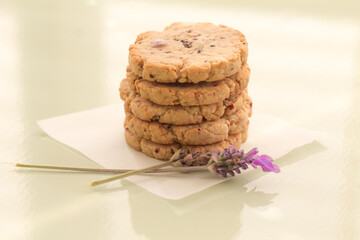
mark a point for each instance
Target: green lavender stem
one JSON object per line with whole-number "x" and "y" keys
{"x": 127, "y": 174}
{"x": 99, "y": 170}
{"x": 175, "y": 157}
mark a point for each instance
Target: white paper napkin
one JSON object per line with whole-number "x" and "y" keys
{"x": 99, "y": 134}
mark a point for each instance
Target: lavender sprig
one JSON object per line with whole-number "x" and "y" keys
{"x": 228, "y": 162}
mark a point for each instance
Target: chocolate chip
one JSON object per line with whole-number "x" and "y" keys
{"x": 157, "y": 150}
{"x": 152, "y": 76}
{"x": 212, "y": 45}
{"x": 187, "y": 44}
{"x": 188, "y": 31}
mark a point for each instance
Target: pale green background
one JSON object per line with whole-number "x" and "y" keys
{"x": 58, "y": 57}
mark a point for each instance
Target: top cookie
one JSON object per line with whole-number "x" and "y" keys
{"x": 188, "y": 52}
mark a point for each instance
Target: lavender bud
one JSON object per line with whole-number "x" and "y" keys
{"x": 212, "y": 168}
{"x": 214, "y": 158}
{"x": 252, "y": 153}
{"x": 223, "y": 174}
{"x": 176, "y": 155}
{"x": 188, "y": 160}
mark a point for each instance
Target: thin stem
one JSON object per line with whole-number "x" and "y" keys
{"x": 143, "y": 170}
{"x": 99, "y": 170}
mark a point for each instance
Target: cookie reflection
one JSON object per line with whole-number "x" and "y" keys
{"x": 215, "y": 215}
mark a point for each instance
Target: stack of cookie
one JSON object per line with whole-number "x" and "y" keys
{"x": 186, "y": 87}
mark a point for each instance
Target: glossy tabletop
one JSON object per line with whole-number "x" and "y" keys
{"x": 59, "y": 57}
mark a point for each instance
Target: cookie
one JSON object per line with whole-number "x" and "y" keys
{"x": 165, "y": 151}
{"x": 235, "y": 103}
{"x": 188, "y": 94}
{"x": 125, "y": 89}
{"x": 176, "y": 115}
{"x": 188, "y": 52}
{"x": 195, "y": 134}
{"x": 179, "y": 115}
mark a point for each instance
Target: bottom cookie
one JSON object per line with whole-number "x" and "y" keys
{"x": 165, "y": 151}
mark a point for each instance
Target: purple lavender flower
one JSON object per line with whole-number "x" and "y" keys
{"x": 227, "y": 162}
{"x": 230, "y": 161}
{"x": 265, "y": 162}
